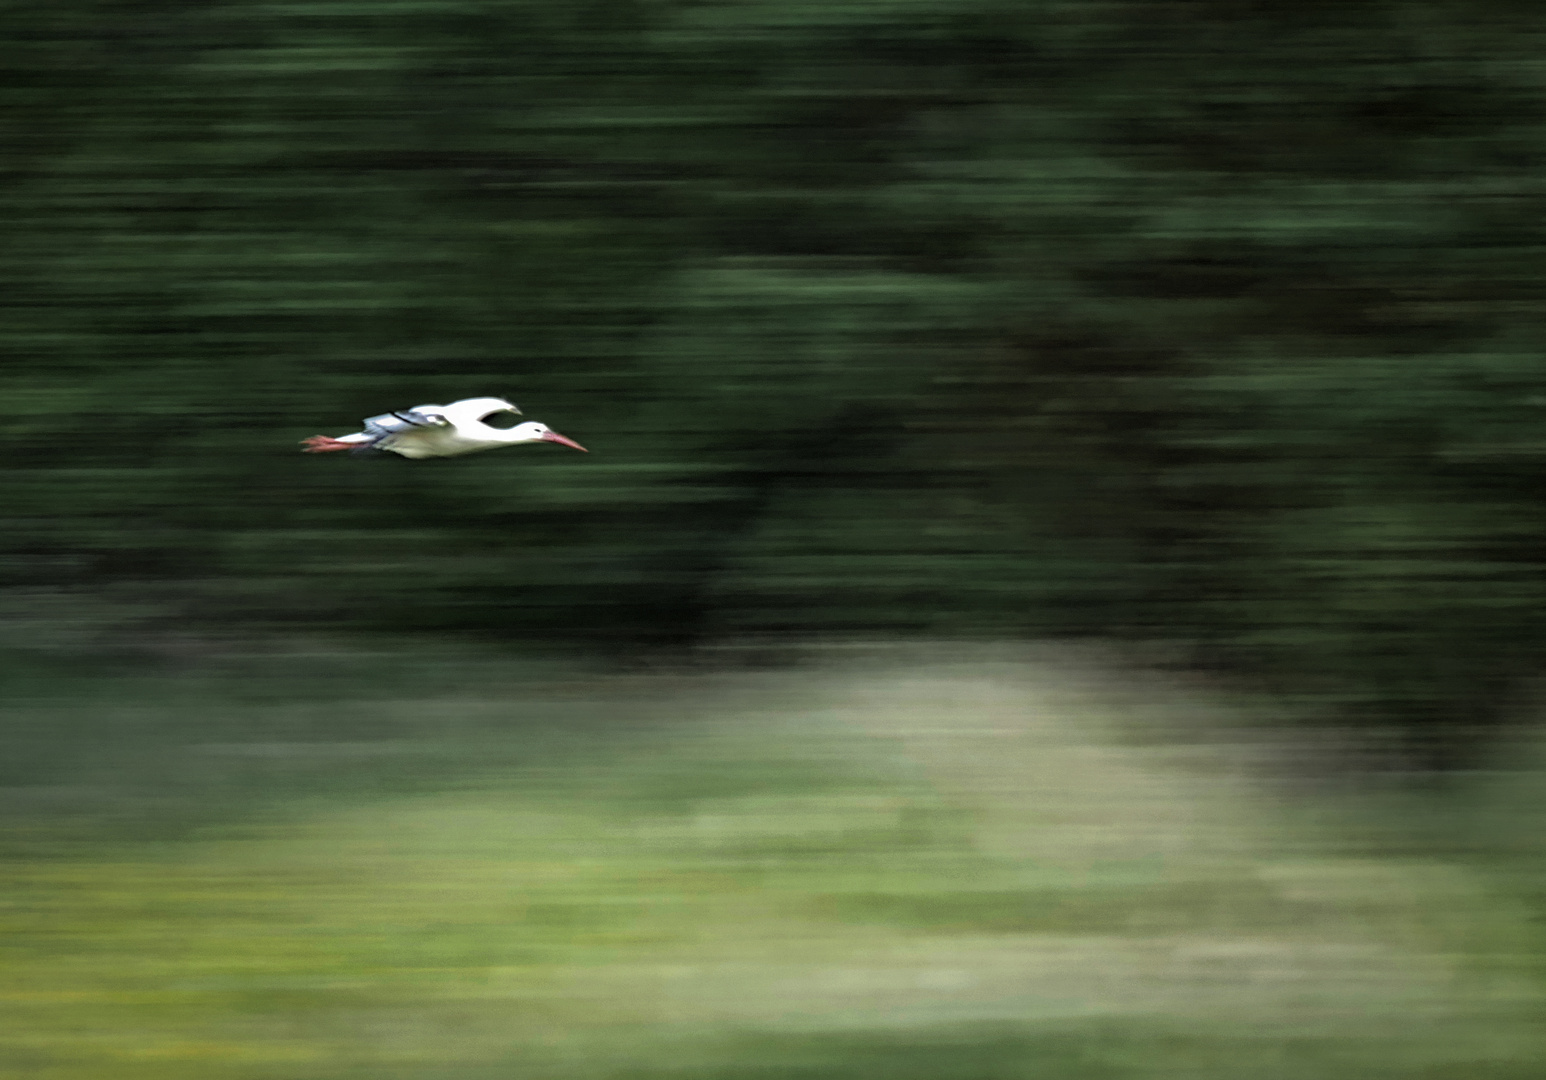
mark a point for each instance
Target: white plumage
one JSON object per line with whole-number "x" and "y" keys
{"x": 440, "y": 431}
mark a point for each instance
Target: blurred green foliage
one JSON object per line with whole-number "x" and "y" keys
{"x": 1210, "y": 321}
{"x": 418, "y": 866}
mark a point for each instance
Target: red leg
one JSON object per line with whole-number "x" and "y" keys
{"x": 320, "y": 444}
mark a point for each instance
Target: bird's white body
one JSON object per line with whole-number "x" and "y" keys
{"x": 426, "y": 431}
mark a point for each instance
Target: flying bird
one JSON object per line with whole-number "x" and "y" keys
{"x": 440, "y": 431}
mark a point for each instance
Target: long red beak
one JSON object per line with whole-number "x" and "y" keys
{"x": 553, "y": 436}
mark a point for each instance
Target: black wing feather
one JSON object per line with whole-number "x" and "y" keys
{"x": 395, "y": 423}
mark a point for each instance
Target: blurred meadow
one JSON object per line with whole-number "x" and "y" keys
{"x": 887, "y": 862}
{"x": 1056, "y": 589}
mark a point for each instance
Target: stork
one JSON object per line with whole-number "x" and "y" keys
{"x": 440, "y": 431}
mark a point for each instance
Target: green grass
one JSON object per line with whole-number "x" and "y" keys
{"x": 458, "y": 868}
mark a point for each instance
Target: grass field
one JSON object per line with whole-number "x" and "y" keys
{"x": 996, "y": 867}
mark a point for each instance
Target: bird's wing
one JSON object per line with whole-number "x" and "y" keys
{"x": 395, "y": 423}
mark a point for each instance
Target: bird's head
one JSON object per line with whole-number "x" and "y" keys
{"x": 535, "y": 432}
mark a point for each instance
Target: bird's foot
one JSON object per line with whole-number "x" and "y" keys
{"x": 321, "y": 444}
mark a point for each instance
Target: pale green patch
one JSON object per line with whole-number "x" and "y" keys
{"x": 903, "y": 873}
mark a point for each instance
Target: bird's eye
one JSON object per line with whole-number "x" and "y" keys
{"x": 500, "y": 418}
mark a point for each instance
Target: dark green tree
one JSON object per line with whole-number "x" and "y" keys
{"x": 1210, "y": 321}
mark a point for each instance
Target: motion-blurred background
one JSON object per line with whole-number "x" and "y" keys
{"x": 1206, "y": 333}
